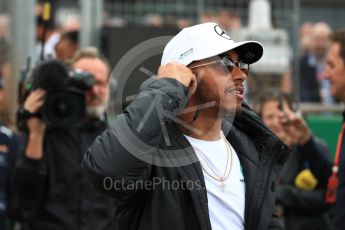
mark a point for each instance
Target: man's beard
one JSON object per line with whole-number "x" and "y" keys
{"x": 205, "y": 96}
{"x": 230, "y": 113}
{"x": 95, "y": 111}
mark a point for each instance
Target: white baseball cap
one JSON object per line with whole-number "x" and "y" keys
{"x": 207, "y": 40}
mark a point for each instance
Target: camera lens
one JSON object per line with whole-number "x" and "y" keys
{"x": 64, "y": 108}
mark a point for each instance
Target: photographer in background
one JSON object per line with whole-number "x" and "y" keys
{"x": 299, "y": 195}
{"x": 52, "y": 189}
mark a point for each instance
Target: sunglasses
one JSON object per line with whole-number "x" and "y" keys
{"x": 228, "y": 65}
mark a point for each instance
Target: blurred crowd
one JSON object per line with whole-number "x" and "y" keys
{"x": 314, "y": 40}
{"x": 41, "y": 183}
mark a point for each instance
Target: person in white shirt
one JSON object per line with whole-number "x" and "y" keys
{"x": 199, "y": 134}
{"x": 46, "y": 34}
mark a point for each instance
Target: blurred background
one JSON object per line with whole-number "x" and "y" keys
{"x": 293, "y": 32}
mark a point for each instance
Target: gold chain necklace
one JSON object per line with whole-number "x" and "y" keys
{"x": 227, "y": 170}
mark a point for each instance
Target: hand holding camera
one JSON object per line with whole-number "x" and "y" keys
{"x": 32, "y": 104}
{"x": 55, "y": 95}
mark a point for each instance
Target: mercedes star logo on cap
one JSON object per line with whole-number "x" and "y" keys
{"x": 221, "y": 32}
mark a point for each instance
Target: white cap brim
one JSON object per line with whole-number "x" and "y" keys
{"x": 248, "y": 51}
{"x": 207, "y": 40}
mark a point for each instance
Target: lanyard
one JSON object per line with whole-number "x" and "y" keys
{"x": 333, "y": 180}
{"x": 339, "y": 144}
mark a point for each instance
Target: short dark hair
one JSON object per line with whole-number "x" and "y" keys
{"x": 339, "y": 37}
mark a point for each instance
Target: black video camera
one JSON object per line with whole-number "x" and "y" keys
{"x": 64, "y": 104}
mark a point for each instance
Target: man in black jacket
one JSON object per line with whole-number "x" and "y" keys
{"x": 186, "y": 154}
{"x": 52, "y": 189}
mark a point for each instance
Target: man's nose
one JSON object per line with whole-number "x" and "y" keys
{"x": 238, "y": 75}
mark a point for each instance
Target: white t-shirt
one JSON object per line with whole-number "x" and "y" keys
{"x": 49, "y": 46}
{"x": 226, "y": 205}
